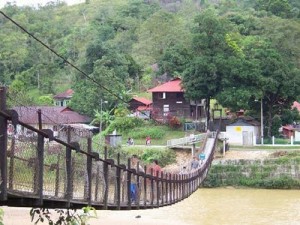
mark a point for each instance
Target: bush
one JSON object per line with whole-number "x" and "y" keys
{"x": 174, "y": 122}
{"x": 143, "y": 132}
{"x": 124, "y": 124}
{"x": 164, "y": 157}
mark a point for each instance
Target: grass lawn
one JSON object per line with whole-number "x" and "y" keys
{"x": 159, "y": 134}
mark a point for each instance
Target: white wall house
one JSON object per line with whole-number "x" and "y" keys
{"x": 243, "y": 131}
{"x": 297, "y": 135}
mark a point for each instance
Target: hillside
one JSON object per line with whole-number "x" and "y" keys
{"x": 114, "y": 49}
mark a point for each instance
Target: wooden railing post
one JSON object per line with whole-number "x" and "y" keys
{"x": 69, "y": 169}
{"x": 170, "y": 189}
{"x": 175, "y": 188}
{"x": 39, "y": 183}
{"x": 157, "y": 188}
{"x": 128, "y": 185}
{"x": 182, "y": 189}
{"x": 105, "y": 172}
{"x": 88, "y": 182}
{"x": 145, "y": 186}
{"x": 152, "y": 188}
{"x": 138, "y": 186}
{"x": 190, "y": 184}
{"x": 163, "y": 182}
{"x": 3, "y": 146}
{"x": 118, "y": 180}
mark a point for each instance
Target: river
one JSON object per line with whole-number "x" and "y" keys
{"x": 221, "y": 206}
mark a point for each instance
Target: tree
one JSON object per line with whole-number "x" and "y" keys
{"x": 204, "y": 73}
{"x": 290, "y": 116}
{"x": 107, "y": 73}
{"x": 174, "y": 60}
{"x": 263, "y": 74}
{"x": 157, "y": 33}
{"x": 280, "y": 8}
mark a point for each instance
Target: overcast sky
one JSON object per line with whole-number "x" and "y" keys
{"x": 36, "y": 2}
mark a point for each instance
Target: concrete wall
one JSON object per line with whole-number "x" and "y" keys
{"x": 235, "y": 134}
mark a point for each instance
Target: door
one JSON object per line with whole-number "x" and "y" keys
{"x": 247, "y": 138}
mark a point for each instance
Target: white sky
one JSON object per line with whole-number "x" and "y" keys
{"x": 36, "y": 2}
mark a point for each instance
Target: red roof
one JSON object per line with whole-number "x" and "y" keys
{"x": 171, "y": 86}
{"x": 288, "y": 127}
{"x": 296, "y": 105}
{"x": 50, "y": 115}
{"x": 67, "y": 94}
{"x": 143, "y": 100}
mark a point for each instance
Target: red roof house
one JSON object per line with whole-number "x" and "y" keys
{"x": 288, "y": 131}
{"x": 141, "y": 107}
{"x": 168, "y": 100}
{"x": 62, "y": 99}
{"x": 53, "y": 117}
{"x": 137, "y": 102}
{"x": 170, "y": 86}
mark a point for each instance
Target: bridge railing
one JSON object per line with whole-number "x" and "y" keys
{"x": 39, "y": 170}
{"x": 186, "y": 140}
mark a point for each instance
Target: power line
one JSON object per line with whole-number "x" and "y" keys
{"x": 68, "y": 62}
{"x": 60, "y": 56}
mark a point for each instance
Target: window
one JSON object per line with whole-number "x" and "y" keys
{"x": 166, "y": 110}
{"x": 162, "y": 95}
{"x": 179, "y": 95}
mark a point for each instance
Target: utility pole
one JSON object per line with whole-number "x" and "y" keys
{"x": 101, "y": 114}
{"x": 261, "y": 121}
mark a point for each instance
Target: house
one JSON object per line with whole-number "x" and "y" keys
{"x": 168, "y": 100}
{"x": 243, "y": 131}
{"x": 62, "y": 99}
{"x": 136, "y": 102}
{"x": 53, "y": 117}
{"x": 288, "y": 131}
{"x": 140, "y": 107}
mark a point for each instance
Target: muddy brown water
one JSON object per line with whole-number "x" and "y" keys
{"x": 224, "y": 206}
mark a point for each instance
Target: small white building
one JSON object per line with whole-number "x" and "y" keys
{"x": 243, "y": 131}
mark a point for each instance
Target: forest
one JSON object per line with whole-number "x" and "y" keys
{"x": 234, "y": 51}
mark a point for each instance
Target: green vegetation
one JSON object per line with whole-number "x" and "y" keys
{"x": 1, "y": 216}
{"x": 67, "y": 217}
{"x": 233, "y": 51}
{"x": 147, "y": 154}
{"x": 139, "y": 129}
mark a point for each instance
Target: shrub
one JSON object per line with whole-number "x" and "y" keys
{"x": 124, "y": 124}
{"x": 174, "y": 122}
{"x": 164, "y": 157}
{"x": 143, "y": 132}
{"x": 1, "y": 216}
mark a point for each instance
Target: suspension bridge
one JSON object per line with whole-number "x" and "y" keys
{"x": 43, "y": 171}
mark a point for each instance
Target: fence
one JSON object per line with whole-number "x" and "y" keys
{"x": 186, "y": 140}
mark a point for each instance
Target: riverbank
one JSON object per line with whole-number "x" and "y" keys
{"x": 256, "y": 169}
